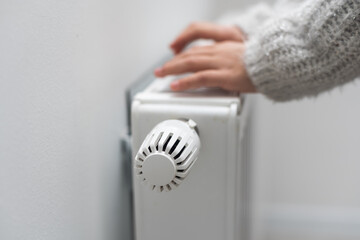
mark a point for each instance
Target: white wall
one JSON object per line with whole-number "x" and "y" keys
{"x": 306, "y": 161}
{"x": 64, "y": 66}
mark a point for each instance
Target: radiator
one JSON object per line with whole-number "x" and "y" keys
{"x": 188, "y": 163}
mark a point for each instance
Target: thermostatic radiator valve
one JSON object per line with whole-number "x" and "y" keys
{"x": 167, "y": 154}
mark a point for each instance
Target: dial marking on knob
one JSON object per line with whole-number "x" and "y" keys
{"x": 159, "y": 169}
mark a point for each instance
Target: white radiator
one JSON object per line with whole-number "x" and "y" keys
{"x": 188, "y": 164}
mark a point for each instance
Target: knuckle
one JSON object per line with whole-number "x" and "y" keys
{"x": 194, "y": 25}
{"x": 195, "y": 29}
{"x": 183, "y": 56}
{"x": 168, "y": 67}
{"x": 224, "y": 84}
{"x": 184, "y": 84}
{"x": 232, "y": 33}
{"x": 189, "y": 62}
{"x": 196, "y": 47}
{"x": 202, "y": 79}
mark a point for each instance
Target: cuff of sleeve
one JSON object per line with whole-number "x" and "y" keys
{"x": 262, "y": 71}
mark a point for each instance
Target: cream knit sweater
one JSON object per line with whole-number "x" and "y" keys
{"x": 302, "y": 48}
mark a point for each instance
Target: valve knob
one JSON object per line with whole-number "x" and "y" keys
{"x": 167, "y": 154}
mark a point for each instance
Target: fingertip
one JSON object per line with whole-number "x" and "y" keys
{"x": 175, "y": 49}
{"x": 175, "y": 86}
{"x": 158, "y": 71}
{"x": 176, "y": 46}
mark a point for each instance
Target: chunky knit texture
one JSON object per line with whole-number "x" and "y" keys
{"x": 305, "y": 51}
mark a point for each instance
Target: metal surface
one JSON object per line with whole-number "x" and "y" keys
{"x": 139, "y": 85}
{"x": 125, "y": 148}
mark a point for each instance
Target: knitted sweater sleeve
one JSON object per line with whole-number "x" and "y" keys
{"x": 309, "y": 51}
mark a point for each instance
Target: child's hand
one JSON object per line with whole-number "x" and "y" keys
{"x": 206, "y": 30}
{"x": 218, "y": 65}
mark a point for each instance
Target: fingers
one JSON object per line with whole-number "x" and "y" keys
{"x": 186, "y": 65}
{"x": 218, "y": 65}
{"x": 209, "y": 50}
{"x": 203, "y": 30}
{"x": 208, "y": 78}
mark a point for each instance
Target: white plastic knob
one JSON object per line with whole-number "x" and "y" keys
{"x": 167, "y": 154}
